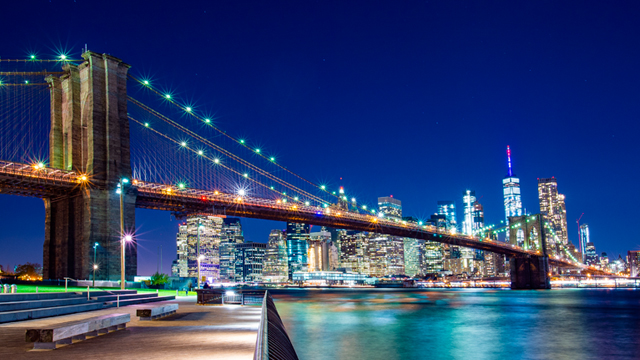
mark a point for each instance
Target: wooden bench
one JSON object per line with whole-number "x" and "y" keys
{"x": 157, "y": 311}
{"x": 50, "y": 337}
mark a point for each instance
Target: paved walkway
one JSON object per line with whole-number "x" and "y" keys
{"x": 194, "y": 332}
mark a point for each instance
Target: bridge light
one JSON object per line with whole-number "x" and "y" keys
{"x": 125, "y": 180}
{"x": 322, "y": 187}
{"x": 207, "y": 120}
{"x": 241, "y": 141}
{"x": 188, "y": 109}
{"x": 419, "y": 222}
{"x": 200, "y": 152}
{"x": 364, "y": 207}
{"x": 295, "y": 198}
{"x": 216, "y": 160}
{"x": 128, "y": 238}
{"x": 246, "y": 175}
{"x": 83, "y": 178}
{"x": 63, "y": 57}
{"x": 306, "y": 203}
{"x": 272, "y": 188}
{"x": 146, "y": 82}
{"x": 183, "y": 144}
{"x": 26, "y": 81}
{"x": 215, "y": 192}
{"x": 258, "y": 151}
{"x": 32, "y": 57}
{"x": 241, "y": 192}
{"x": 272, "y": 158}
{"x": 325, "y": 205}
{"x": 181, "y": 185}
{"x": 146, "y": 124}
{"x": 353, "y": 199}
{"x": 284, "y": 200}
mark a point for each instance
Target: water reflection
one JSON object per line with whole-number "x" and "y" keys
{"x": 462, "y": 324}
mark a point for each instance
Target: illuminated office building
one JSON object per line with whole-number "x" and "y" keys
{"x": 230, "y": 236}
{"x": 318, "y": 253}
{"x": 390, "y": 207}
{"x": 511, "y": 192}
{"x": 275, "y": 267}
{"x": 353, "y": 250}
{"x": 552, "y": 206}
{"x": 584, "y": 239}
{"x": 433, "y": 250}
{"x": 469, "y": 200}
{"x": 249, "y": 258}
{"x": 448, "y": 209}
{"x": 187, "y": 247}
{"x": 386, "y": 255}
{"x": 297, "y": 247}
{"x": 633, "y": 257}
{"x": 591, "y": 256}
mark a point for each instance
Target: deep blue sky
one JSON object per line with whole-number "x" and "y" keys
{"x": 414, "y": 99}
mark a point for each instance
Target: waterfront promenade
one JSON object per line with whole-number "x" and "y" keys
{"x": 194, "y": 332}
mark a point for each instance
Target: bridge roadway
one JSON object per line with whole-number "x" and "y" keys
{"x": 39, "y": 181}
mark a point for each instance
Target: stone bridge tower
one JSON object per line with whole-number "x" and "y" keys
{"x": 529, "y": 271}
{"x": 90, "y": 134}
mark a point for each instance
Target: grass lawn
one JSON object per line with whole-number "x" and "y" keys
{"x": 54, "y": 288}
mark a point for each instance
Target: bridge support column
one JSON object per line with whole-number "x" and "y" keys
{"x": 90, "y": 134}
{"x": 530, "y": 272}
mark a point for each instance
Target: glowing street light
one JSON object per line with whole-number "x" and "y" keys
{"x": 241, "y": 192}
{"x": 95, "y": 264}
{"x": 123, "y": 237}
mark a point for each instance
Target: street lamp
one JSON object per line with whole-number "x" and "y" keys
{"x": 198, "y": 249}
{"x": 200, "y": 258}
{"x": 122, "y": 236}
{"x": 95, "y": 265}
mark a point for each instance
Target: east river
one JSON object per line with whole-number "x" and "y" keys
{"x": 462, "y": 324}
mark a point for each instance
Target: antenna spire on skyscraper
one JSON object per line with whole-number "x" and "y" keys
{"x": 510, "y": 173}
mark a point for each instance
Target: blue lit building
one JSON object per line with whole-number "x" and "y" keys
{"x": 448, "y": 209}
{"x": 297, "y": 247}
{"x": 390, "y": 207}
{"x": 511, "y": 192}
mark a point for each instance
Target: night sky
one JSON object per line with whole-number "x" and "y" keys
{"x": 414, "y": 99}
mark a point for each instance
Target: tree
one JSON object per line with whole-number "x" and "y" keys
{"x": 159, "y": 279}
{"x": 28, "y": 271}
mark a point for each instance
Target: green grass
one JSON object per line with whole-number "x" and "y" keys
{"x": 54, "y": 288}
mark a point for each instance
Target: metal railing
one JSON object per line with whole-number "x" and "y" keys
{"x": 273, "y": 343}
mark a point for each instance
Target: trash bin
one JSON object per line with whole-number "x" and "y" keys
{"x": 14, "y": 289}
{"x": 5, "y": 289}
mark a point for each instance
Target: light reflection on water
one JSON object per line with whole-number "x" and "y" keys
{"x": 462, "y": 324}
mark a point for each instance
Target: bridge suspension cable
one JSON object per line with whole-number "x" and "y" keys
{"x": 148, "y": 86}
{"x": 224, "y": 151}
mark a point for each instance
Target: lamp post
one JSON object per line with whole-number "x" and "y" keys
{"x": 200, "y": 258}
{"x": 95, "y": 265}
{"x": 122, "y": 236}
{"x": 198, "y": 249}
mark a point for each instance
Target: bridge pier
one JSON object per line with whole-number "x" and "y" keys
{"x": 530, "y": 272}
{"x": 90, "y": 134}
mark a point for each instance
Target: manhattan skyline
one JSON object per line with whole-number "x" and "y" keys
{"x": 389, "y": 110}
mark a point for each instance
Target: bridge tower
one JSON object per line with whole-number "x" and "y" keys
{"x": 529, "y": 271}
{"x": 90, "y": 134}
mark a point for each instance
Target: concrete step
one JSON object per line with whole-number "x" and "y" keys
{"x": 104, "y": 298}
{"x": 20, "y": 315}
{"x": 141, "y": 301}
{"x": 36, "y": 304}
{"x": 38, "y": 296}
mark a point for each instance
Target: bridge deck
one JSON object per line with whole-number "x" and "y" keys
{"x": 30, "y": 180}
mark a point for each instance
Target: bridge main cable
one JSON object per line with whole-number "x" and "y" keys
{"x": 222, "y": 150}
{"x": 146, "y": 85}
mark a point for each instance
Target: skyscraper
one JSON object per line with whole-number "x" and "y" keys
{"x": 249, "y": 258}
{"x": 353, "y": 250}
{"x": 275, "y": 267}
{"x": 469, "y": 200}
{"x": 231, "y": 236}
{"x": 584, "y": 239}
{"x": 390, "y": 207}
{"x": 511, "y": 191}
{"x": 318, "y": 254}
{"x": 448, "y": 209}
{"x": 591, "y": 256}
{"x": 297, "y": 247}
{"x": 552, "y": 205}
{"x": 633, "y": 257}
{"x": 208, "y": 237}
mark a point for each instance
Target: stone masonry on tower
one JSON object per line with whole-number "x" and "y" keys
{"x": 90, "y": 134}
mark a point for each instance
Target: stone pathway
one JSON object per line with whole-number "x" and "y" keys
{"x": 194, "y": 332}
